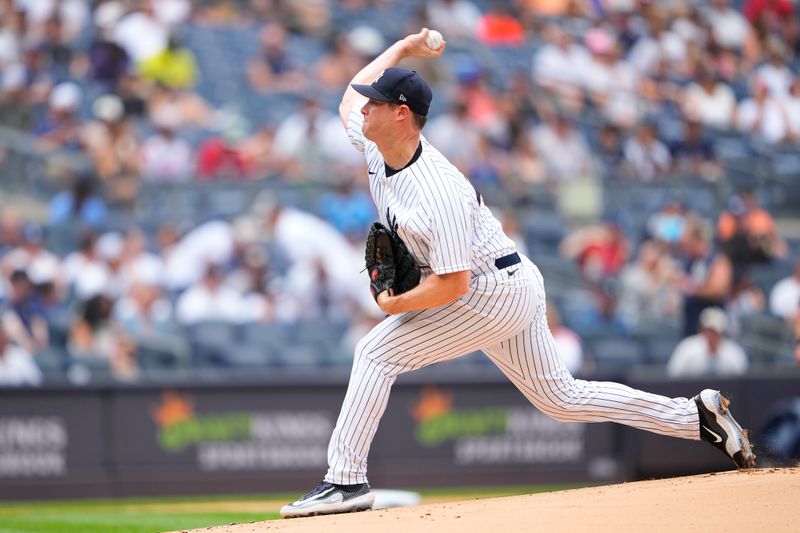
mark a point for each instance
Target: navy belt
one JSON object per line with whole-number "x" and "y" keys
{"x": 506, "y": 261}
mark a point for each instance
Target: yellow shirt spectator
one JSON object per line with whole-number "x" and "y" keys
{"x": 174, "y": 67}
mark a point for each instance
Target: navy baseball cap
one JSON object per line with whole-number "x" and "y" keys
{"x": 399, "y": 86}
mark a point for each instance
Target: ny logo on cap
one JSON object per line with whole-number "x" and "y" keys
{"x": 379, "y": 77}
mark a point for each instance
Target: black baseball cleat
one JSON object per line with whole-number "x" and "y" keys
{"x": 328, "y": 498}
{"x": 720, "y": 429}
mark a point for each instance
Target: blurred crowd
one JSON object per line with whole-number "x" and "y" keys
{"x": 538, "y": 102}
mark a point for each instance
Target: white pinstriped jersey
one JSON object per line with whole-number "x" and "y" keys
{"x": 434, "y": 209}
{"x": 439, "y": 216}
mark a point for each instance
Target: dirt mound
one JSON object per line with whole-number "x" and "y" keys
{"x": 747, "y": 501}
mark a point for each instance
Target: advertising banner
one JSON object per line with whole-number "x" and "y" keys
{"x": 51, "y": 439}
{"x": 72, "y": 442}
{"x": 489, "y": 433}
{"x": 251, "y": 438}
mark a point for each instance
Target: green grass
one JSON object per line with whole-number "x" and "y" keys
{"x": 87, "y": 521}
{"x": 148, "y": 515}
{"x": 122, "y": 516}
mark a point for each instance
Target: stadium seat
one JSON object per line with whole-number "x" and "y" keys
{"x": 212, "y": 332}
{"x": 657, "y": 350}
{"x": 84, "y": 369}
{"x": 52, "y": 361}
{"x": 614, "y": 354}
{"x": 765, "y": 338}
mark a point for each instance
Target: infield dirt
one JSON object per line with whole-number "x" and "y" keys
{"x": 762, "y": 500}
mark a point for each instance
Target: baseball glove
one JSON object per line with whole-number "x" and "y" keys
{"x": 389, "y": 263}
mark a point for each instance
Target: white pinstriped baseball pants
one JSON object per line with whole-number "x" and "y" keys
{"x": 504, "y": 316}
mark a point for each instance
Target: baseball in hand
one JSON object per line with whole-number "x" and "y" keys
{"x": 434, "y": 40}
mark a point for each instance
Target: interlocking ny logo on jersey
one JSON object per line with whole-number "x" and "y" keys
{"x": 391, "y": 221}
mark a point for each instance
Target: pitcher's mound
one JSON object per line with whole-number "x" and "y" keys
{"x": 766, "y": 500}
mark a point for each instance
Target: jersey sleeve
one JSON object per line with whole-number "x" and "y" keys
{"x": 452, "y": 227}
{"x": 354, "y": 122}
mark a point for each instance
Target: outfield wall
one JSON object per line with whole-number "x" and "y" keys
{"x": 441, "y": 429}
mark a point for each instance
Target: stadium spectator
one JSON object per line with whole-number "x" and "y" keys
{"x": 42, "y": 267}
{"x": 73, "y": 13}
{"x": 488, "y": 165}
{"x": 59, "y": 126}
{"x": 209, "y": 300}
{"x": 143, "y": 310}
{"x": 302, "y": 137}
{"x": 165, "y": 156}
{"x": 568, "y": 343}
{"x": 525, "y": 170}
{"x": 96, "y": 333}
{"x": 339, "y": 64}
{"x": 709, "y": 101}
{"x": 314, "y": 19}
{"x": 608, "y": 151}
{"x": 174, "y": 67}
{"x": 308, "y": 243}
{"x": 768, "y": 16}
{"x": 557, "y": 66}
{"x": 173, "y": 13}
{"x": 138, "y": 261}
{"x": 775, "y": 72}
{"x": 601, "y": 251}
{"x": 693, "y": 155}
{"x": 348, "y": 207}
{"x": 15, "y": 109}
{"x": 56, "y": 54}
{"x": 658, "y": 44}
{"x": 111, "y": 142}
{"x": 708, "y": 352}
{"x": 662, "y": 91}
{"x": 10, "y": 231}
{"x": 110, "y": 249}
{"x": 547, "y": 8}
{"x": 791, "y": 106}
{"x": 785, "y": 295}
{"x": 37, "y": 78}
{"x": 455, "y": 135}
{"x": 500, "y": 26}
{"x": 475, "y": 91}
{"x": 107, "y": 60}
{"x": 746, "y": 299}
{"x": 220, "y": 158}
{"x": 708, "y": 277}
{"x": 456, "y": 19}
{"x": 253, "y": 279}
{"x": 17, "y": 366}
{"x": 186, "y": 257}
{"x": 610, "y": 80}
{"x": 762, "y": 115}
{"x": 667, "y": 224}
{"x": 556, "y": 136}
{"x": 85, "y": 272}
{"x": 646, "y": 292}
{"x": 747, "y": 232}
{"x": 273, "y": 71}
{"x": 186, "y": 107}
{"x": 729, "y": 28}
{"x": 79, "y": 204}
{"x": 141, "y": 33}
{"x": 646, "y": 157}
{"x": 24, "y": 320}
